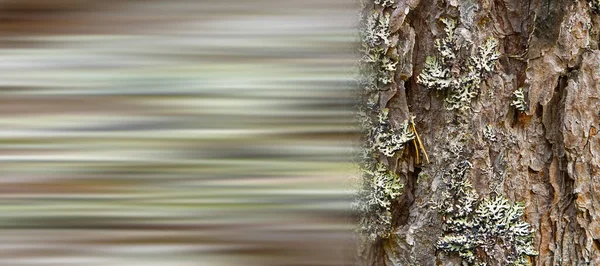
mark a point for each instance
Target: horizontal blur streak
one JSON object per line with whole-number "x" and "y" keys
{"x": 146, "y": 132}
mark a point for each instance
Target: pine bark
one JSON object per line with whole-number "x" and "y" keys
{"x": 547, "y": 157}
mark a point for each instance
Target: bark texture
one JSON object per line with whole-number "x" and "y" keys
{"x": 547, "y": 157}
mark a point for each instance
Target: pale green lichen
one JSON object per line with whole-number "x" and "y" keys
{"x": 385, "y": 3}
{"x": 435, "y": 75}
{"x": 461, "y": 85}
{"x": 376, "y": 29}
{"x": 489, "y": 133}
{"x": 380, "y": 186}
{"x": 388, "y": 64}
{"x": 376, "y": 66}
{"x": 474, "y": 229}
{"x": 380, "y": 189}
{"x": 446, "y": 46}
{"x": 388, "y": 68}
{"x": 383, "y": 29}
{"x": 368, "y": 31}
{"x": 487, "y": 55}
{"x": 519, "y": 101}
{"x": 387, "y": 140}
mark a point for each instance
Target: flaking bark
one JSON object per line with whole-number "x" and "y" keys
{"x": 547, "y": 156}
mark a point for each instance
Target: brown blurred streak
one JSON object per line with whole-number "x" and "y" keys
{"x": 15, "y": 106}
{"x": 39, "y": 17}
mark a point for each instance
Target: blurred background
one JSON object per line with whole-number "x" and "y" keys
{"x": 180, "y": 132}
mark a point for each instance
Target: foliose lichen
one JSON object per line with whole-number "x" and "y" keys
{"x": 381, "y": 188}
{"x": 489, "y": 133}
{"x": 460, "y": 80}
{"x": 376, "y": 66}
{"x": 475, "y": 228}
{"x": 387, "y": 140}
{"x": 385, "y": 3}
{"x": 381, "y": 138}
{"x": 519, "y": 100}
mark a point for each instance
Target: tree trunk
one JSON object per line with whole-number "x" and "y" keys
{"x": 545, "y": 155}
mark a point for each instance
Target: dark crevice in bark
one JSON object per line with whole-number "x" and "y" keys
{"x": 401, "y": 211}
{"x": 597, "y": 243}
{"x": 539, "y": 112}
{"x": 513, "y": 117}
{"x": 408, "y": 85}
{"x": 564, "y": 207}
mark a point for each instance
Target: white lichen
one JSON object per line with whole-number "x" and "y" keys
{"x": 380, "y": 189}
{"x": 380, "y": 186}
{"x": 383, "y": 29}
{"x": 368, "y": 31}
{"x": 487, "y": 56}
{"x": 387, "y": 140}
{"x": 454, "y": 150}
{"x": 459, "y": 79}
{"x": 384, "y": 3}
{"x": 464, "y": 90}
{"x": 471, "y": 224}
{"x": 519, "y": 100}
{"x": 375, "y": 30}
{"x": 388, "y": 64}
{"x": 448, "y": 45}
{"x": 376, "y": 66}
{"x": 368, "y": 82}
{"x": 435, "y": 75}
{"x": 489, "y": 133}
{"x": 371, "y": 55}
